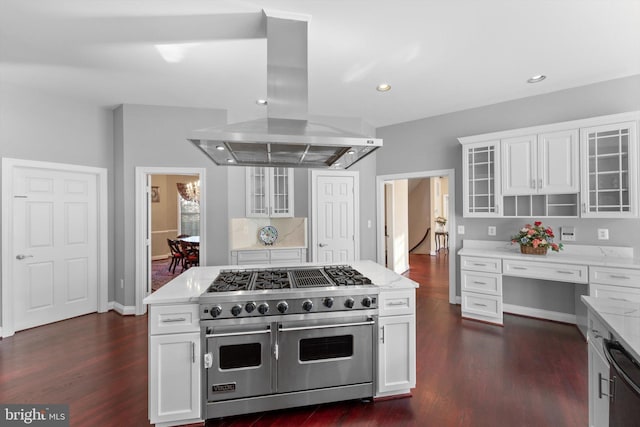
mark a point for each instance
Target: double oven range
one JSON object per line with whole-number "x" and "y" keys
{"x": 278, "y": 338}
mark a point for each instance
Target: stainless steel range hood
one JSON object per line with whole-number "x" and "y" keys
{"x": 285, "y": 138}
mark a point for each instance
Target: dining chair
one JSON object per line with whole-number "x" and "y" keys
{"x": 177, "y": 257}
{"x": 191, "y": 254}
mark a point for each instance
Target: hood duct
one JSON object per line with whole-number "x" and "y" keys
{"x": 285, "y": 138}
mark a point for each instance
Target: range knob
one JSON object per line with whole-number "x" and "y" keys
{"x": 328, "y": 302}
{"x": 307, "y": 305}
{"x": 263, "y": 308}
{"x": 366, "y": 301}
{"x": 349, "y": 302}
{"x": 282, "y": 307}
{"x": 236, "y": 310}
{"x": 215, "y": 311}
{"x": 250, "y": 306}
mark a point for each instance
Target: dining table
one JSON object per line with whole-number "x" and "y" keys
{"x": 191, "y": 239}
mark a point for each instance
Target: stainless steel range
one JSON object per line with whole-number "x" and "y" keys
{"x": 278, "y": 338}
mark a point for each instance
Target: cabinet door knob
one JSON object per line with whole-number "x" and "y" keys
{"x": 322, "y": 245}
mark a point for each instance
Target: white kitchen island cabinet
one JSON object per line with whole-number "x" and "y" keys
{"x": 174, "y": 365}
{"x": 396, "y": 342}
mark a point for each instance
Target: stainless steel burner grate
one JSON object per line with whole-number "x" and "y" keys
{"x": 310, "y": 278}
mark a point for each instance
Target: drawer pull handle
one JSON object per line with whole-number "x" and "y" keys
{"x": 564, "y": 272}
{"x": 619, "y": 276}
{"x": 618, "y": 299}
{"x": 515, "y": 267}
{"x": 479, "y": 283}
{"x": 397, "y": 303}
{"x": 174, "y": 319}
{"x": 596, "y": 333}
{"x": 479, "y": 305}
{"x": 479, "y": 264}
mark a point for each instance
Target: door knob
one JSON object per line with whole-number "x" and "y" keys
{"x": 20, "y": 256}
{"x": 322, "y": 245}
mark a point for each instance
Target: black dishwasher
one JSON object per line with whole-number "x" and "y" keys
{"x": 624, "y": 403}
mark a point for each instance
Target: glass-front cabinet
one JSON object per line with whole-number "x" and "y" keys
{"x": 269, "y": 192}
{"x": 609, "y": 162}
{"x": 481, "y": 180}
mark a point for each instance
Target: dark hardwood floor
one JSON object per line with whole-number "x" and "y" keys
{"x": 527, "y": 373}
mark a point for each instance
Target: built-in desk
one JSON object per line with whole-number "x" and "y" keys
{"x": 602, "y": 271}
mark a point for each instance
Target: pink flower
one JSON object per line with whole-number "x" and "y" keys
{"x": 554, "y": 246}
{"x": 536, "y": 242}
{"x": 531, "y": 232}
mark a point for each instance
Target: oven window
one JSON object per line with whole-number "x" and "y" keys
{"x": 240, "y": 356}
{"x": 326, "y": 348}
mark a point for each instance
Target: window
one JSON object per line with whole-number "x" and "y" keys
{"x": 189, "y": 221}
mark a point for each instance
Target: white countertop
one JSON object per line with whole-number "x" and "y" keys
{"x": 603, "y": 256}
{"x": 621, "y": 317}
{"x": 188, "y": 286}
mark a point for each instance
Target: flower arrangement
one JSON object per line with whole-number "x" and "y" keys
{"x": 536, "y": 236}
{"x": 441, "y": 220}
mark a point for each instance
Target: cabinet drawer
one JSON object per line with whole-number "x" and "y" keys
{"x": 397, "y": 302}
{"x": 545, "y": 270}
{"x": 169, "y": 319}
{"x": 253, "y": 256}
{"x": 485, "y": 283}
{"x": 614, "y": 276}
{"x": 482, "y": 306}
{"x": 596, "y": 332}
{"x": 615, "y": 293}
{"x": 285, "y": 255}
{"x": 490, "y": 265}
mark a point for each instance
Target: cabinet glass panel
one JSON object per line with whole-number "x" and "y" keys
{"x": 609, "y": 171}
{"x": 481, "y": 176}
{"x": 258, "y": 190}
{"x": 280, "y": 190}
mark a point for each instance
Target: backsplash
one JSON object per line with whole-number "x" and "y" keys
{"x": 243, "y": 232}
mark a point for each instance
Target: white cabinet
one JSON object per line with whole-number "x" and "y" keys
{"x": 269, "y": 192}
{"x": 598, "y": 375}
{"x": 609, "y": 162}
{"x": 481, "y": 288}
{"x": 545, "y": 163}
{"x": 269, "y": 256}
{"x": 481, "y": 179}
{"x": 396, "y": 343}
{"x": 174, "y": 365}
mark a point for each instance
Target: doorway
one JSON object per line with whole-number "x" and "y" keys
{"x": 431, "y": 191}
{"x": 159, "y": 189}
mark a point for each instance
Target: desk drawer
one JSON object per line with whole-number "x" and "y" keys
{"x": 171, "y": 319}
{"x": 546, "y": 271}
{"x": 615, "y": 293}
{"x": 486, "y": 283}
{"x": 484, "y": 306}
{"x": 489, "y": 265}
{"x": 614, "y": 276}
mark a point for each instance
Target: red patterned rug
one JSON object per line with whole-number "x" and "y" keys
{"x": 160, "y": 273}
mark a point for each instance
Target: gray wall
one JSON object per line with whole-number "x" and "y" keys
{"x": 431, "y": 144}
{"x": 54, "y": 128}
{"x": 154, "y": 136}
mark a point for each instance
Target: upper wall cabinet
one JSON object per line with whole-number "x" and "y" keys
{"x": 609, "y": 164}
{"x": 546, "y": 163}
{"x": 581, "y": 168}
{"x": 269, "y": 192}
{"x": 481, "y": 179}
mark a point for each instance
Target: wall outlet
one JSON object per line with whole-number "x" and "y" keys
{"x": 461, "y": 229}
{"x": 603, "y": 234}
{"x": 491, "y": 230}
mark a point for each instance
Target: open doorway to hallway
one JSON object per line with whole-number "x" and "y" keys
{"x": 415, "y": 226}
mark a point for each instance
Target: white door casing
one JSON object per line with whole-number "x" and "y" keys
{"x": 54, "y": 243}
{"x": 388, "y": 225}
{"x": 335, "y": 215}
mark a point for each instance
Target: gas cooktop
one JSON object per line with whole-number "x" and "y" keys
{"x": 287, "y": 278}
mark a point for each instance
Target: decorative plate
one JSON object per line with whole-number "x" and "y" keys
{"x": 268, "y": 234}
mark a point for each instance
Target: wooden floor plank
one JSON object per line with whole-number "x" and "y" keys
{"x": 528, "y": 373}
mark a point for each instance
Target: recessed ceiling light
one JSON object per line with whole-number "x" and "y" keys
{"x": 383, "y": 87}
{"x": 536, "y": 79}
{"x": 220, "y": 147}
{"x": 229, "y": 160}
{"x": 351, "y": 152}
{"x": 261, "y": 102}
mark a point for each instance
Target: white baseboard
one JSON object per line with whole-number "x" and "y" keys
{"x": 539, "y": 313}
{"x": 124, "y": 310}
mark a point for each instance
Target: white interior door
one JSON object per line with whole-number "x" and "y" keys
{"x": 54, "y": 240}
{"x": 334, "y": 217}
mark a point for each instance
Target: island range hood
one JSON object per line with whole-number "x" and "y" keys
{"x": 285, "y": 138}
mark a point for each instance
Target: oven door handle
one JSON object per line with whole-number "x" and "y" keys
{"x": 337, "y": 325}
{"x": 237, "y": 334}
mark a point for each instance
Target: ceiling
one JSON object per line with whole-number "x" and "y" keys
{"x": 439, "y": 56}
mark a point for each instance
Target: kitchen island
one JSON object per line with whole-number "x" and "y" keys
{"x": 177, "y": 391}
